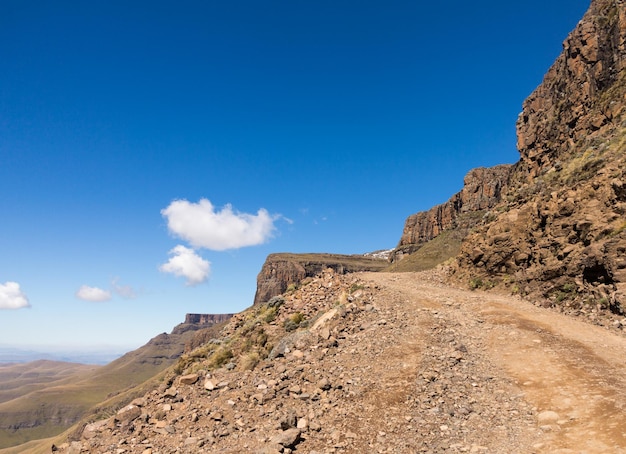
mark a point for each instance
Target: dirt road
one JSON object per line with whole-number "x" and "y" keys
{"x": 571, "y": 375}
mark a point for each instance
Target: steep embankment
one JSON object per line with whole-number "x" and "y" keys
{"x": 382, "y": 362}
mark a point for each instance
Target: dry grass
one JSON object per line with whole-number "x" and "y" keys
{"x": 431, "y": 254}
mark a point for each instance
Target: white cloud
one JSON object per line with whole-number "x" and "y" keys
{"x": 186, "y": 263}
{"x": 12, "y": 297}
{"x": 95, "y": 294}
{"x": 203, "y": 226}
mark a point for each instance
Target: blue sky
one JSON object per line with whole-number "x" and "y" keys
{"x": 153, "y": 153}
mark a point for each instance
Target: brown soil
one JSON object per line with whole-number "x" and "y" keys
{"x": 558, "y": 363}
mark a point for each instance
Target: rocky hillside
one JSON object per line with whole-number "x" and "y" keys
{"x": 335, "y": 366}
{"x": 556, "y": 226}
{"x": 282, "y": 271}
{"x": 381, "y": 363}
{"x": 330, "y": 362}
{"x": 561, "y": 233}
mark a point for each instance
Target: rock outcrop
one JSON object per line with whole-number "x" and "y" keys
{"x": 283, "y": 270}
{"x": 206, "y": 319}
{"x": 482, "y": 190}
{"x": 560, "y": 231}
{"x": 195, "y": 322}
{"x": 581, "y": 96}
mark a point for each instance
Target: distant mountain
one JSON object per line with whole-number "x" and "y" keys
{"x": 42, "y": 398}
{"x": 17, "y": 355}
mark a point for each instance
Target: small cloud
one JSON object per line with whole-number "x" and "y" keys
{"x": 125, "y": 291}
{"x": 94, "y": 294}
{"x": 205, "y": 227}
{"x": 12, "y": 297}
{"x": 186, "y": 263}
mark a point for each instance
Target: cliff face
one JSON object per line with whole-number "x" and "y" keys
{"x": 581, "y": 96}
{"x": 206, "y": 319}
{"x": 560, "y": 231}
{"x": 196, "y": 322}
{"x": 482, "y": 190}
{"x": 282, "y": 270}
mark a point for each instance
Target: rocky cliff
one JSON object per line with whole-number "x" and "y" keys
{"x": 206, "y": 319}
{"x": 482, "y": 190}
{"x": 195, "y": 322}
{"x": 581, "y": 96}
{"x": 560, "y": 230}
{"x": 283, "y": 270}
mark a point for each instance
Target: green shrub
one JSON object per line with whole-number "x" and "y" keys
{"x": 569, "y": 287}
{"x": 220, "y": 357}
{"x": 270, "y": 314}
{"x": 476, "y": 283}
{"x": 276, "y": 301}
{"x": 354, "y": 287}
{"x": 293, "y": 322}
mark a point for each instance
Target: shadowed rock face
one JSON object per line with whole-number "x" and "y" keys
{"x": 560, "y": 231}
{"x": 482, "y": 190}
{"x": 282, "y": 270}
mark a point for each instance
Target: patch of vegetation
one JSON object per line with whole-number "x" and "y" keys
{"x": 475, "y": 283}
{"x": 270, "y": 314}
{"x": 250, "y": 361}
{"x": 355, "y": 287}
{"x": 478, "y": 283}
{"x": 293, "y": 322}
{"x": 566, "y": 292}
{"x": 276, "y": 301}
{"x": 220, "y": 357}
{"x": 436, "y": 251}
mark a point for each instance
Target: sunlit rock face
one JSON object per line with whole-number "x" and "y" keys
{"x": 482, "y": 190}
{"x": 559, "y": 232}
